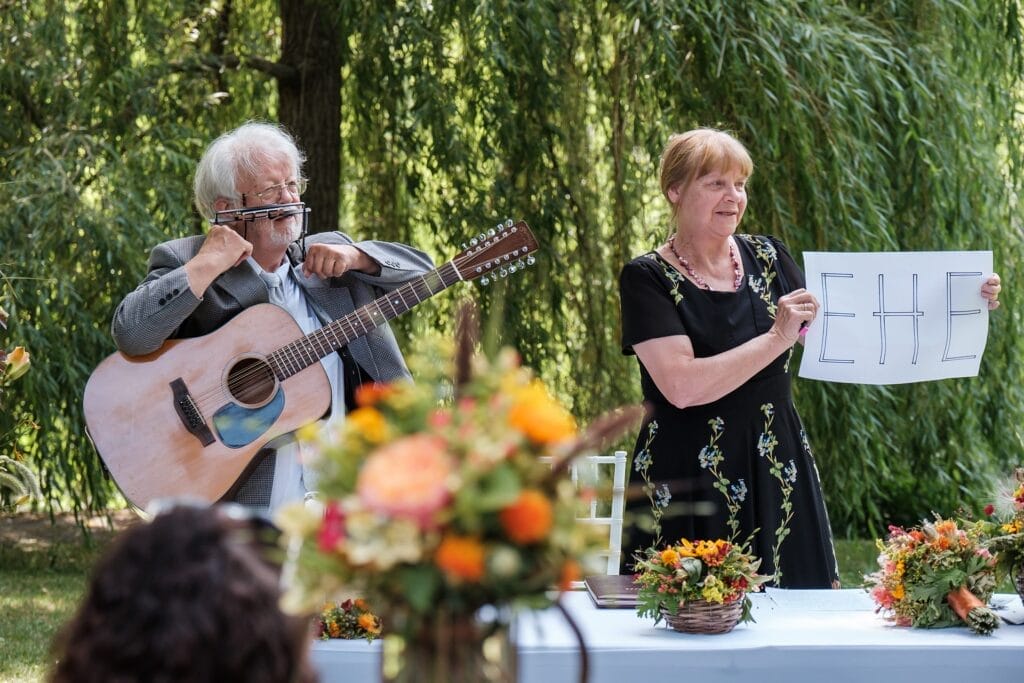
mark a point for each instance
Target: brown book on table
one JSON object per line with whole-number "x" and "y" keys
{"x": 615, "y": 591}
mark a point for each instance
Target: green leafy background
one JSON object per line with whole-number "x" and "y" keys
{"x": 890, "y": 125}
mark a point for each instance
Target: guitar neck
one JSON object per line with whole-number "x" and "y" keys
{"x": 304, "y": 351}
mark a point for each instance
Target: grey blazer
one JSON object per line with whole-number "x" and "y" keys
{"x": 163, "y": 306}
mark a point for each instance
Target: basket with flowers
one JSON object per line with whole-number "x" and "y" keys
{"x": 1003, "y": 529}
{"x": 935, "y": 575}
{"x": 444, "y": 500}
{"x": 349, "y": 620}
{"x": 698, "y": 586}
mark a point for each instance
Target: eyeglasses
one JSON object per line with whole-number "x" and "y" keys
{"x": 275, "y": 192}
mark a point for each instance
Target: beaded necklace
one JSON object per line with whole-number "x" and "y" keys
{"x": 701, "y": 282}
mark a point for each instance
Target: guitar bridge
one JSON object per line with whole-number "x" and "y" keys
{"x": 189, "y": 413}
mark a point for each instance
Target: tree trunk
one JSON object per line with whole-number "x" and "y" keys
{"x": 310, "y": 103}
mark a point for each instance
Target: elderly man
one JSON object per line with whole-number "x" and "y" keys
{"x": 197, "y": 284}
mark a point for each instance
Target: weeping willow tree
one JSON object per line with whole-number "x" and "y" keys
{"x": 873, "y": 126}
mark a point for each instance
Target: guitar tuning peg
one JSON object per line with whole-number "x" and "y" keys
{"x": 530, "y": 260}
{"x": 482, "y": 236}
{"x": 509, "y": 223}
{"x": 497, "y": 227}
{"x": 491, "y": 232}
{"x": 485, "y": 280}
{"x": 520, "y": 265}
{"x": 503, "y": 272}
{"x": 463, "y": 246}
{"x": 513, "y": 268}
{"x": 473, "y": 242}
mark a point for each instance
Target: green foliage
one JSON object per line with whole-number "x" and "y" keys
{"x": 873, "y": 126}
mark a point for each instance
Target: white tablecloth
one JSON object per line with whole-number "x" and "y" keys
{"x": 833, "y": 636}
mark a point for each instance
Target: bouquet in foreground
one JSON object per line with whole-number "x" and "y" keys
{"x": 446, "y": 495}
{"x": 1003, "y": 529}
{"x": 714, "y": 572}
{"x": 933, "y": 576}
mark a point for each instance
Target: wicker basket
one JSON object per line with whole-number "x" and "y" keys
{"x": 700, "y": 616}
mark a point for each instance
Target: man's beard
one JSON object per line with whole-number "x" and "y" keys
{"x": 282, "y": 232}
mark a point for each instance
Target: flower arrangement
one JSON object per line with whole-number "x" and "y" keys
{"x": 1003, "y": 529}
{"x": 447, "y": 494}
{"x": 935, "y": 575}
{"x": 716, "y": 572}
{"x": 349, "y": 620}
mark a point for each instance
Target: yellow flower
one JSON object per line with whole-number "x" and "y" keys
{"x": 369, "y": 423}
{"x": 712, "y": 590}
{"x": 686, "y": 549}
{"x": 1013, "y": 527}
{"x": 898, "y": 592}
{"x": 669, "y": 557}
{"x": 17, "y": 364}
{"x": 539, "y": 416}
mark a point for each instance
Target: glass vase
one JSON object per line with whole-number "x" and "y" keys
{"x": 448, "y": 648}
{"x": 1017, "y": 576}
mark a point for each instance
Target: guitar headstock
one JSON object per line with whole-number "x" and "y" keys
{"x": 497, "y": 253}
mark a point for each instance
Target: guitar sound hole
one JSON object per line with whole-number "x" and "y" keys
{"x": 251, "y": 381}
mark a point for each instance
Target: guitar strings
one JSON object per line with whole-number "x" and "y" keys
{"x": 299, "y": 349}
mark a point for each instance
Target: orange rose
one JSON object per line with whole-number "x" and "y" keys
{"x": 407, "y": 478}
{"x": 529, "y": 518}
{"x": 371, "y": 393}
{"x": 461, "y": 558}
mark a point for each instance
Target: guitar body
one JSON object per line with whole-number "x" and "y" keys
{"x": 188, "y": 419}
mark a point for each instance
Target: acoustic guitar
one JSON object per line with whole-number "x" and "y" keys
{"x": 188, "y": 419}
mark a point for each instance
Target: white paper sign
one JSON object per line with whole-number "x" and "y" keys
{"x": 896, "y": 317}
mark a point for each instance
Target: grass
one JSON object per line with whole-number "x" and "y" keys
{"x": 856, "y": 558}
{"x": 44, "y": 569}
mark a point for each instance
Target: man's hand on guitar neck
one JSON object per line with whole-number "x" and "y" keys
{"x": 223, "y": 249}
{"x": 334, "y": 260}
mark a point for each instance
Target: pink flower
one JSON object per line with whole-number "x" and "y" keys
{"x": 439, "y": 419}
{"x": 407, "y": 479}
{"x": 332, "y": 530}
{"x": 882, "y": 597}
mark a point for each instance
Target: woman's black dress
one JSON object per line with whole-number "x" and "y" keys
{"x": 747, "y": 451}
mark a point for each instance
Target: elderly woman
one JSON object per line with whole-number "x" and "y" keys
{"x": 712, "y": 316}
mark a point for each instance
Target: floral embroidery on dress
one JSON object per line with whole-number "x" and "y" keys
{"x": 709, "y": 458}
{"x": 673, "y": 276}
{"x": 761, "y": 283}
{"x": 659, "y": 494}
{"x": 785, "y": 473}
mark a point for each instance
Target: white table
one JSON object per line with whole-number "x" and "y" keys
{"x": 799, "y": 636}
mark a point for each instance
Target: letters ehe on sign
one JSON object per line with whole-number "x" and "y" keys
{"x": 896, "y": 317}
